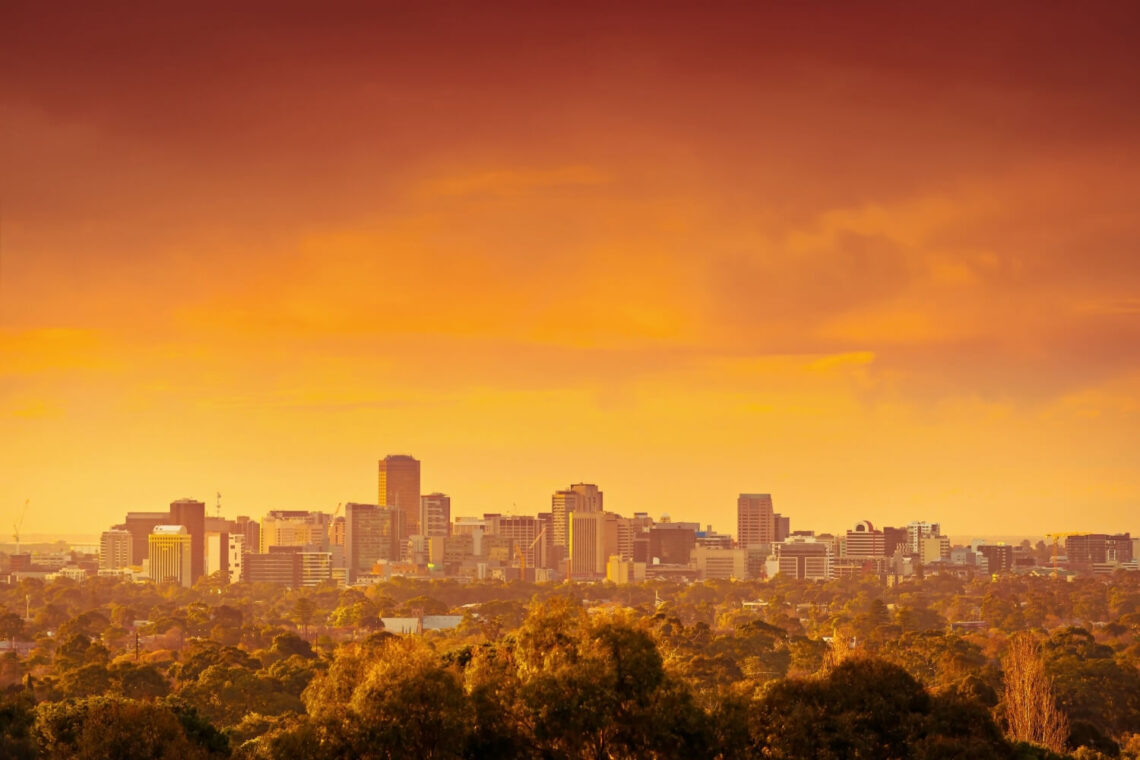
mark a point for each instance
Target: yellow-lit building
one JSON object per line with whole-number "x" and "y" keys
{"x": 295, "y": 527}
{"x": 588, "y": 544}
{"x": 624, "y": 571}
{"x": 170, "y": 554}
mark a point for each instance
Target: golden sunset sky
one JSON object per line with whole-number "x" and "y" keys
{"x": 882, "y": 261}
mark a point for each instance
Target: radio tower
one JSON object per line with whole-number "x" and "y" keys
{"x": 218, "y": 506}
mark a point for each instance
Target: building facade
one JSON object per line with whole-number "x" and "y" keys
{"x": 400, "y": 489}
{"x": 755, "y": 520}
{"x": 115, "y": 549}
{"x": 171, "y": 548}
{"x": 435, "y": 515}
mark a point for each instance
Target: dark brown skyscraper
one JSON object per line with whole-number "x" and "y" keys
{"x": 192, "y": 515}
{"x": 400, "y": 488}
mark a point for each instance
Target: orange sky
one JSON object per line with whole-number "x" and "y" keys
{"x": 882, "y": 263}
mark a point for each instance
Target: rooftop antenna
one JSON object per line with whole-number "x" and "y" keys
{"x": 218, "y": 505}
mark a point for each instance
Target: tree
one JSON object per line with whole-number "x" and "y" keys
{"x": 304, "y": 610}
{"x": 104, "y": 727}
{"x": 1029, "y": 703}
{"x": 410, "y": 705}
{"x": 868, "y": 708}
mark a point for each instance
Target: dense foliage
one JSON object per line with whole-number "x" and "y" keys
{"x": 847, "y": 669}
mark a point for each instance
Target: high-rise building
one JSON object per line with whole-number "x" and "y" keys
{"x": 140, "y": 525}
{"x": 590, "y": 498}
{"x": 588, "y": 544}
{"x": 236, "y": 560}
{"x": 864, "y": 542}
{"x": 435, "y": 515}
{"x": 782, "y": 527}
{"x": 934, "y": 549}
{"x": 192, "y": 515}
{"x": 281, "y": 565}
{"x": 400, "y": 489}
{"x": 1098, "y": 548}
{"x": 171, "y": 549}
{"x": 114, "y": 549}
{"x": 755, "y": 520}
{"x": 562, "y": 504}
{"x": 523, "y": 531}
{"x": 917, "y": 531}
{"x": 250, "y": 530}
{"x": 295, "y": 527}
{"x": 671, "y": 543}
{"x": 371, "y": 534}
{"x": 580, "y": 497}
{"x": 999, "y": 557}
{"x": 217, "y": 552}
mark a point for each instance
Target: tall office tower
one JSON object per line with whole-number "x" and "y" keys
{"x": 295, "y": 527}
{"x": 192, "y": 515}
{"x": 371, "y": 534}
{"x": 562, "y": 504}
{"x": 140, "y": 525}
{"x": 590, "y": 498}
{"x": 864, "y": 542}
{"x": 171, "y": 555}
{"x": 217, "y": 552}
{"x": 783, "y": 526}
{"x": 250, "y": 530}
{"x": 236, "y": 560}
{"x": 400, "y": 489}
{"x": 917, "y": 531}
{"x": 523, "y": 531}
{"x": 755, "y": 520}
{"x": 587, "y": 544}
{"x": 625, "y": 534}
{"x": 580, "y": 497}
{"x": 435, "y": 515}
{"x": 114, "y": 549}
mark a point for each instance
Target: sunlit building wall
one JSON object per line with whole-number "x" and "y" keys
{"x": 399, "y": 488}
{"x": 755, "y": 520}
{"x": 170, "y": 549}
{"x": 114, "y": 549}
{"x": 588, "y": 544}
{"x": 435, "y": 515}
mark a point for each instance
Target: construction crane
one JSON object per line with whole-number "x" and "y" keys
{"x": 521, "y": 553}
{"x": 336, "y": 512}
{"x": 20, "y": 524}
{"x": 1057, "y": 537}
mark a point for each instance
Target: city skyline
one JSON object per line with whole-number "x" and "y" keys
{"x": 727, "y": 520}
{"x": 879, "y": 261}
